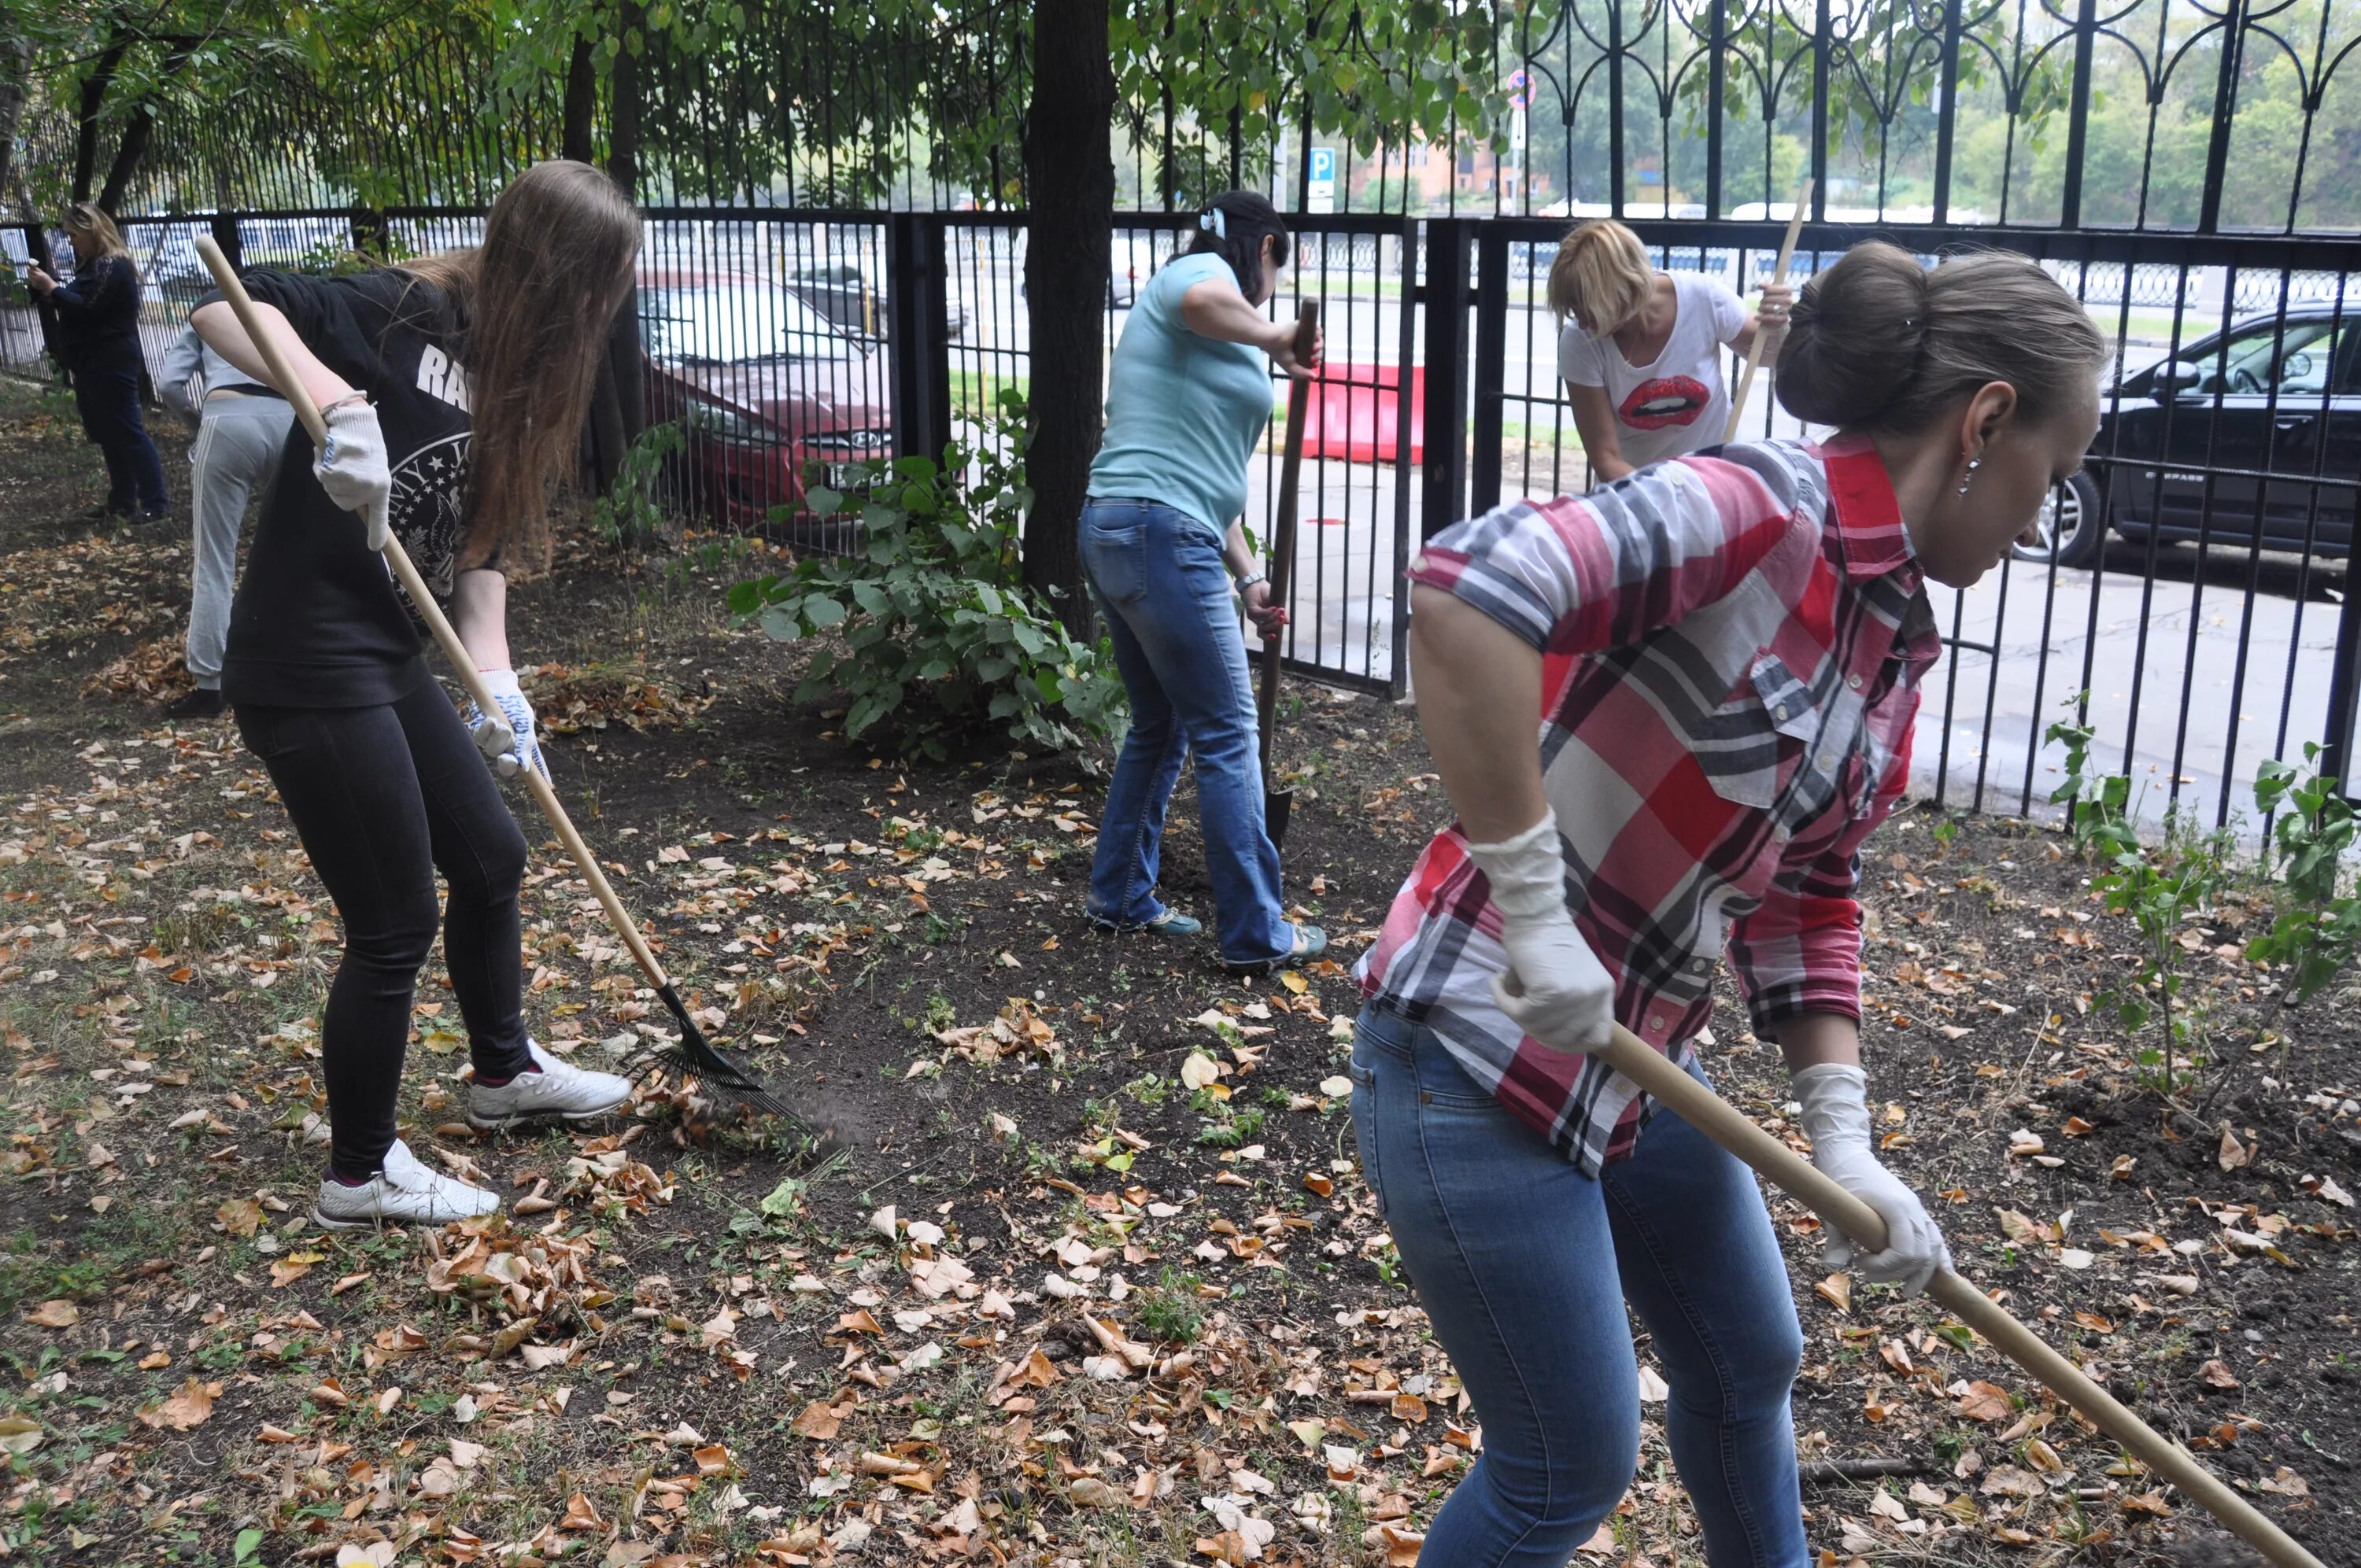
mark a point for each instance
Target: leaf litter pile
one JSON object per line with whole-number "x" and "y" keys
{"x": 1090, "y": 1276}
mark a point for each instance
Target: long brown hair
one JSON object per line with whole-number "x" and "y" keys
{"x": 533, "y": 302}
{"x": 88, "y": 220}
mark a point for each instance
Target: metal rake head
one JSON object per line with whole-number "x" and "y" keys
{"x": 696, "y": 1060}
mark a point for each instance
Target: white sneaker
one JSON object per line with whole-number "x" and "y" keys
{"x": 559, "y": 1090}
{"x": 402, "y": 1192}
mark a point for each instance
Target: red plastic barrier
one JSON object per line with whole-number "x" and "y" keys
{"x": 1357, "y": 413}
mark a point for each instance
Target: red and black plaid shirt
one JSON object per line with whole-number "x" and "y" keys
{"x": 1732, "y": 644}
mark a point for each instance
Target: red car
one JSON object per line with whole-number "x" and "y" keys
{"x": 764, "y": 385}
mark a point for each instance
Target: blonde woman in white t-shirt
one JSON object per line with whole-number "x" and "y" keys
{"x": 1640, "y": 350}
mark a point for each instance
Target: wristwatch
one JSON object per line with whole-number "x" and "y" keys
{"x": 1251, "y": 578}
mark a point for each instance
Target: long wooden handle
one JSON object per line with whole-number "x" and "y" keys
{"x": 1721, "y": 1122}
{"x": 1754, "y": 355}
{"x": 283, "y": 377}
{"x": 1282, "y": 542}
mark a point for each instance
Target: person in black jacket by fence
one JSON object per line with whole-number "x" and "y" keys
{"x": 98, "y": 343}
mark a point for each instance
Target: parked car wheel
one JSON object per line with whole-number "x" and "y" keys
{"x": 2072, "y": 527}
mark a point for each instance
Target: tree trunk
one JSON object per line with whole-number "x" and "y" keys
{"x": 37, "y": 246}
{"x": 578, "y": 139}
{"x": 602, "y": 432}
{"x": 127, "y": 154}
{"x": 16, "y": 64}
{"x": 137, "y": 134}
{"x": 624, "y": 110}
{"x": 617, "y": 401}
{"x": 1069, "y": 163}
{"x": 90, "y": 101}
{"x": 624, "y": 167}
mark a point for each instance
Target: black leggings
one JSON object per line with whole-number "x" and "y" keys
{"x": 383, "y": 797}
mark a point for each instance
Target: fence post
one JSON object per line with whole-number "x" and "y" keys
{"x": 1823, "y": 34}
{"x": 2343, "y": 699}
{"x": 1718, "y": 49}
{"x": 1443, "y": 499}
{"x": 1491, "y": 366}
{"x": 918, "y": 336}
{"x": 2077, "y": 120}
{"x": 2226, "y": 102}
{"x": 372, "y": 236}
{"x": 1946, "y": 123}
{"x": 225, "y": 235}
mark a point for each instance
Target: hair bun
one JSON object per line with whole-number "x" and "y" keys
{"x": 1854, "y": 338}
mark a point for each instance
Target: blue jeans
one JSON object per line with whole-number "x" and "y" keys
{"x": 1160, "y": 584}
{"x": 1525, "y": 1264}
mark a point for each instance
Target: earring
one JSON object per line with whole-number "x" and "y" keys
{"x": 1970, "y": 477}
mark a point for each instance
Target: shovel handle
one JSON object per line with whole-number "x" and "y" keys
{"x": 421, "y": 598}
{"x": 1715, "y": 1117}
{"x": 1282, "y": 531}
{"x": 1755, "y": 353}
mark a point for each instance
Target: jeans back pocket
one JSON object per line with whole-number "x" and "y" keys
{"x": 1114, "y": 551}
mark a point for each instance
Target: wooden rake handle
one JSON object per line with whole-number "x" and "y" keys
{"x": 1282, "y": 542}
{"x": 1721, "y": 1122}
{"x": 1754, "y": 354}
{"x": 283, "y": 377}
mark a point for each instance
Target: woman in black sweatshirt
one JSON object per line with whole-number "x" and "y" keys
{"x": 453, "y": 388}
{"x": 98, "y": 343}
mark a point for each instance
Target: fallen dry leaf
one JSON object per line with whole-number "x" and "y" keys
{"x": 2008, "y": 1481}
{"x": 2218, "y": 1375}
{"x": 2324, "y": 1187}
{"x": 1986, "y": 1402}
{"x": 819, "y": 1421}
{"x": 2234, "y": 1153}
{"x": 192, "y": 1406}
{"x": 58, "y": 1315}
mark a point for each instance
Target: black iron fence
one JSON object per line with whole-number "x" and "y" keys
{"x": 836, "y": 247}
{"x": 2170, "y": 115}
{"x": 2193, "y": 581}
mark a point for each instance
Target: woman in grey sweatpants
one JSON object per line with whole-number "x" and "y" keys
{"x": 241, "y": 430}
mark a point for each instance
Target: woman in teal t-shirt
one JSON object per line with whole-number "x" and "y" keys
{"x": 1187, "y": 402}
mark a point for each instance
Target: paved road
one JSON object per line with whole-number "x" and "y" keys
{"x": 2236, "y": 648}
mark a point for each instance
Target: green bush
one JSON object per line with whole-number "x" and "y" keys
{"x": 2315, "y": 930}
{"x": 631, "y": 513}
{"x": 941, "y": 633}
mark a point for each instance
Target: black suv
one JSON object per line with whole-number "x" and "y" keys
{"x": 2263, "y": 421}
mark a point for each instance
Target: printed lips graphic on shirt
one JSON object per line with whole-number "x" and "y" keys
{"x": 1666, "y": 400}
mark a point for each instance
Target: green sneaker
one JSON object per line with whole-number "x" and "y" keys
{"x": 1311, "y": 941}
{"x": 1171, "y": 923}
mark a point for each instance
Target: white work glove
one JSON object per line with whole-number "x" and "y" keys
{"x": 351, "y": 467}
{"x": 1555, "y": 989}
{"x": 1835, "y": 1098}
{"x": 507, "y": 740}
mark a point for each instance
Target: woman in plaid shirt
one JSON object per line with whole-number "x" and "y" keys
{"x": 1724, "y": 651}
